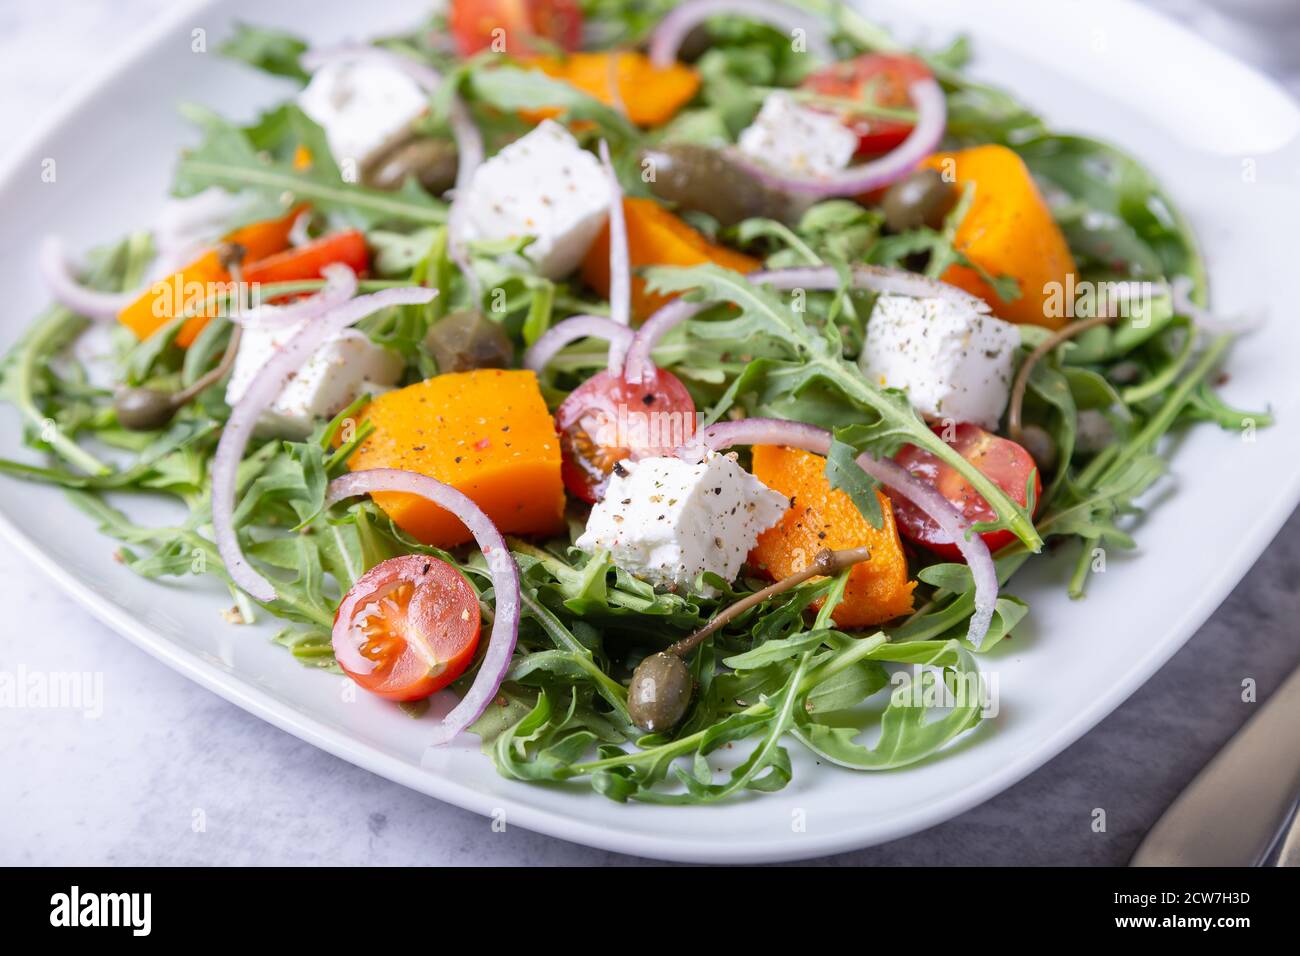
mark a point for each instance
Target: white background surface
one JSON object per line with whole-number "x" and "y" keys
{"x": 127, "y": 787}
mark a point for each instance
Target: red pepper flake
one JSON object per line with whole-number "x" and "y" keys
{"x": 482, "y": 443}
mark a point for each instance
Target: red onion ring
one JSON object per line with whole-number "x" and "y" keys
{"x": 71, "y": 294}
{"x": 1181, "y": 292}
{"x": 340, "y": 285}
{"x": 653, "y": 329}
{"x": 570, "y": 330}
{"x": 620, "y": 269}
{"x": 261, "y": 392}
{"x": 667, "y": 37}
{"x": 932, "y": 116}
{"x": 501, "y": 567}
{"x": 775, "y": 431}
{"x": 818, "y": 278}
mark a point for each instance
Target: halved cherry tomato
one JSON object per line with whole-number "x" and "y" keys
{"x": 407, "y": 628}
{"x": 888, "y": 76}
{"x": 517, "y": 27}
{"x": 1000, "y": 459}
{"x": 606, "y": 419}
{"x": 309, "y": 261}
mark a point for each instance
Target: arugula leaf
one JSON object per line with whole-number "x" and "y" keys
{"x": 511, "y": 89}
{"x": 227, "y": 158}
{"x": 844, "y": 472}
{"x": 271, "y": 51}
{"x": 905, "y": 735}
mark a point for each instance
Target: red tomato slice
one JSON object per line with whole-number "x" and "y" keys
{"x": 1000, "y": 459}
{"x": 517, "y": 27}
{"x": 408, "y": 627}
{"x": 605, "y": 420}
{"x": 309, "y": 261}
{"x": 888, "y": 75}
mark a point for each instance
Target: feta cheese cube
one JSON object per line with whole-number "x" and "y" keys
{"x": 542, "y": 185}
{"x": 667, "y": 520}
{"x": 953, "y": 360}
{"x": 346, "y": 366}
{"x": 797, "y": 139}
{"x": 363, "y": 106}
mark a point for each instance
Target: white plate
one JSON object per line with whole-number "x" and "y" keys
{"x": 1209, "y": 126}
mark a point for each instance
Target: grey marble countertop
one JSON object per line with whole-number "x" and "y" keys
{"x": 128, "y": 787}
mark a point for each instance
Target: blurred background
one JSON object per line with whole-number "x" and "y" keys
{"x": 125, "y": 793}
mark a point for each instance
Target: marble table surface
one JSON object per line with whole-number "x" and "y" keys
{"x": 128, "y": 787}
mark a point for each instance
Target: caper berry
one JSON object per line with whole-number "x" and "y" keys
{"x": 660, "y": 692}
{"x": 431, "y": 162}
{"x": 704, "y": 180}
{"x": 467, "y": 340}
{"x": 1040, "y": 445}
{"x": 143, "y": 409}
{"x": 924, "y": 198}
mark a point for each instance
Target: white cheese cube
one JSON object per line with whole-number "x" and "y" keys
{"x": 954, "y": 361}
{"x": 363, "y": 106}
{"x": 797, "y": 139}
{"x": 667, "y": 520}
{"x": 345, "y": 367}
{"x": 542, "y": 185}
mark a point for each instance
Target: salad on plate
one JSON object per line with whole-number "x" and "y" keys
{"x": 643, "y": 390}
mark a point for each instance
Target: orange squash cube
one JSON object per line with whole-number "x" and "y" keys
{"x": 651, "y": 95}
{"x": 1009, "y": 230}
{"x": 822, "y": 517}
{"x": 655, "y": 237}
{"x": 487, "y": 433}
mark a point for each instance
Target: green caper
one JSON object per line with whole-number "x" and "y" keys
{"x": 144, "y": 409}
{"x": 467, "y": 340}
{"x": 1040, "y": 445}
{"x": 660, "y": 692}
{"x": 432, "y": 162}
{"x": 702, "y": 179}
{"x": 922, "y": 199}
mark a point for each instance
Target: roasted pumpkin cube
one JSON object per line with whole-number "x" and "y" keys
{"x": 487, "y": 433}
{"x": 823, "y": 517}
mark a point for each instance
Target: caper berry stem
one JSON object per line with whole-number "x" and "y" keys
{"x": 826, "y": 563}
{"x": 214, "y": 374}
{"x": 232, "y": 256}
{"x": 1014, "y": 407}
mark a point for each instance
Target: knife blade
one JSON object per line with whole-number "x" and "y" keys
{"x": 1232, "y": 813}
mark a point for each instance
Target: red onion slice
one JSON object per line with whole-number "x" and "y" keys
{"x": 570, "y": 330}
{"x": 620, "y": 269}
{"x": 775, "y": 431}
{"x": 340, "y": 285}
{"x": 932, "y": 116}
{"x": 68, "y": 292}
{"x": 501, "y": 567}
{"x": 261, "y": 392}
{"x": 652, "y": 331}
{"x": 667, "y": 38}
{"x": 1181, "y": 289}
